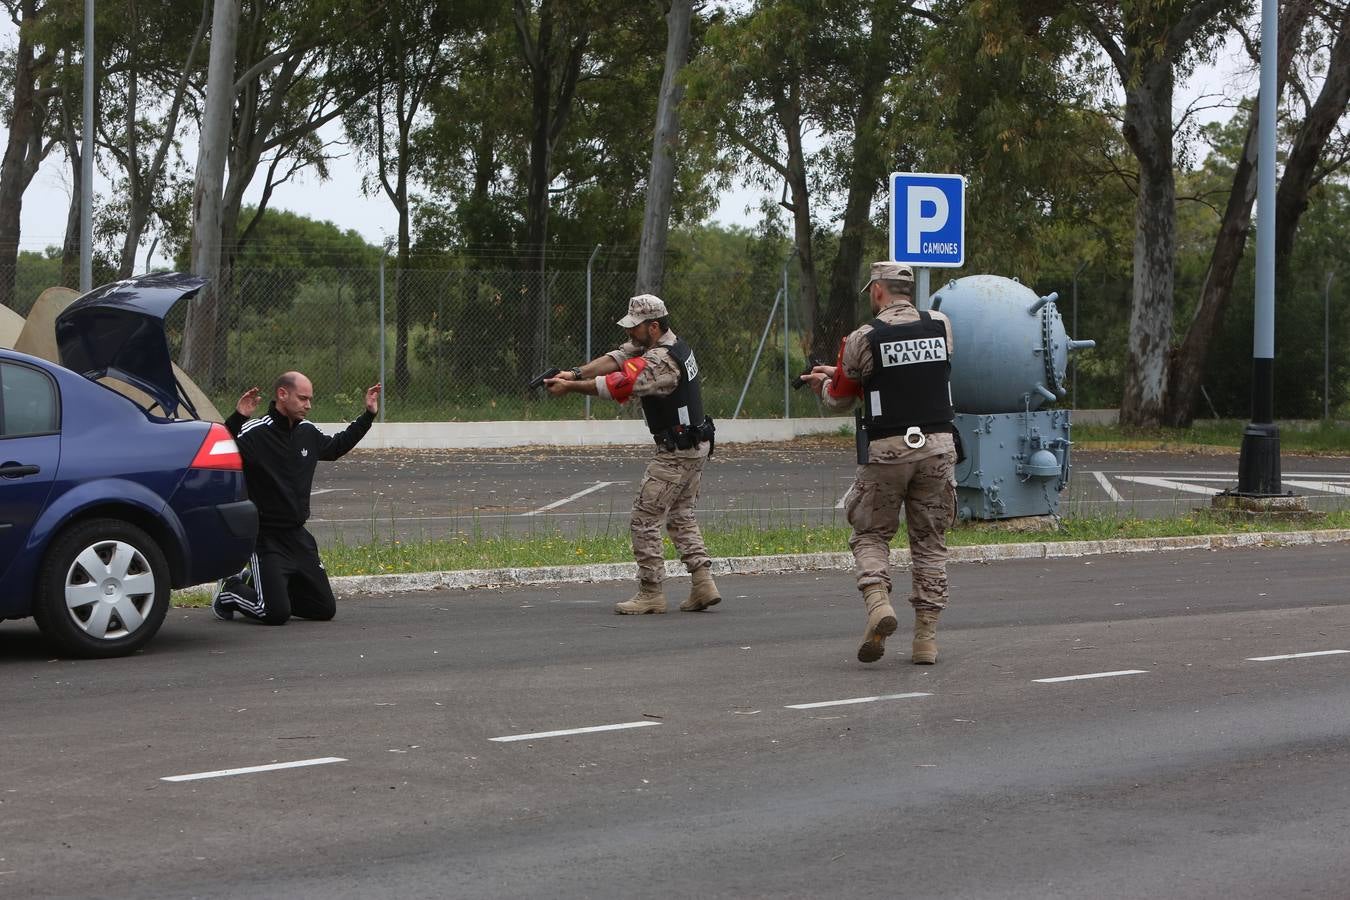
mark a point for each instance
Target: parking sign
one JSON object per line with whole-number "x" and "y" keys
{"x": 928, "y": 219}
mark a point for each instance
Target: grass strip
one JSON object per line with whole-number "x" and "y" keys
{"x": 507, "y": 551}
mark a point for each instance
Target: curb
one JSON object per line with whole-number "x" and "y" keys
{"x": 804, "y": 562}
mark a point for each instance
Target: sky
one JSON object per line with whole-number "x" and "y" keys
{"x": 340, "y": 200}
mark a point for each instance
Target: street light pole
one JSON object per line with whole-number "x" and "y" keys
{"x": 1259, "y": 460}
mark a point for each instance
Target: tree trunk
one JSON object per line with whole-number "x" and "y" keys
{"x": 23, "y": 150}
{"x": 867, "y": 171}
{"x": 70, "y": 245}
{"x": 1190, "y": 359}
{"x": 790, "y": 120}
{"x": 550, "y": 106}
{"x": 665, "y": 139}
{"x": 1148, "y": 130}
{"x": 136, "y": 199}
{"x": 1300, "y": 168}
{"x": 199, "y": 332}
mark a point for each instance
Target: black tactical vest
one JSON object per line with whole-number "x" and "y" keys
{"x": 682, "y": 409}
{"x": 910, "y": 382}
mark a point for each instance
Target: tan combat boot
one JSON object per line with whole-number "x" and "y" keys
{"x": 925, "y": 637}
{"x": 650, "y": 598}
{"x": 880, "y": 624}
{"x": 702, "y": 591}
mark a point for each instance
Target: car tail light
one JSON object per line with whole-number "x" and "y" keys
{"x": 218, "y": 451}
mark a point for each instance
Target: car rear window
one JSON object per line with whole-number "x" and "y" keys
{"x": 28, "y": 402}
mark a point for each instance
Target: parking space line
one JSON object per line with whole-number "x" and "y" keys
{"x": 578, "y": 495}
{"x": 1296, "y": 655}
{"x": 1169, "y": 484}
{"x": 852, "y": 700}
{"x": 1326, "y": 486}
{"x": 506, "y": 739}
{"x": 1089, "y": 675}
{"x": 249, "y": 770}
{"x": 1108, "y": 486}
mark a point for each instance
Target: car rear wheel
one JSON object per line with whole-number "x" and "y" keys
{"x": 104, "y": 589}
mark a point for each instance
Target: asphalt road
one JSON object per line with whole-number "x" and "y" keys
{"x": 416, "y": 495}
{"x": 1209, "y": 772}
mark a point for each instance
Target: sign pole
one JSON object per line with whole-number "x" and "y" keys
{"x": 922, "y": 293}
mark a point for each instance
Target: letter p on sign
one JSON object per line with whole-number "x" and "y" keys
{"x": 928, "y": 212}
{"x": 928, "y": 219}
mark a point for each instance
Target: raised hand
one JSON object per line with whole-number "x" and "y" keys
{"x": 248, "y": 403}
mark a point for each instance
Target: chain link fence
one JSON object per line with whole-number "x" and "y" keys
{"x": 462, "y": 345}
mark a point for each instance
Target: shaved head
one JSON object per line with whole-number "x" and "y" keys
{"x": 294, "y": 394}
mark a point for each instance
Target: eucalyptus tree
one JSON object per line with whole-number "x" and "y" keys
{"x": 297, "y": 68}
{"x": 150, "y": 68}
{"x": 31, "y": 121}
{"x": 1190, "y": 357}
{"x": 1148, "y": 44}
{"x": 772, "y": 80}
{"x": 679, "y": 16}
{"x": 410, "y": 53}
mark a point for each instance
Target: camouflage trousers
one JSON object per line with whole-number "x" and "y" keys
{"x": 666, "y": 497}
{"x": 927, "y": 491}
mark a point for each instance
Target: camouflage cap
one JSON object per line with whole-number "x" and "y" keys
{"x": 643, "y": 308}
{"x": 889, "y": 271}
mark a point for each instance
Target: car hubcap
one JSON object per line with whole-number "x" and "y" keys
{"x": 109, "y": 590}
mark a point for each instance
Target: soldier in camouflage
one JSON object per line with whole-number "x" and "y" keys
{"x": 659, "y": 369}
{"x": 898, "y": 366}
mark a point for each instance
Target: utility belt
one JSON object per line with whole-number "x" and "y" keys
{"x": 915, "y": 435}
{"x": 686, "y": 437}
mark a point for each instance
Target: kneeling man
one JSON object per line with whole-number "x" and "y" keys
{"x": 281, "y": 450}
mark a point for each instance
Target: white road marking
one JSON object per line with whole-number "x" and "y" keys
{"x": 824, "y": 703}
{"x": 249, "y": 770}
{"x": 1296, "y": 655}
{"x": 566, "y": 731}
{"x": 327, "y": 491}
{"x": 1326, "y": 486}
{"x": 579, "y": 494}
{"x": 1107, "y": 486}
{"x": 1090, "y": 675}
{"x": 844, "y": 499}
{"x": 1169, "y": 484}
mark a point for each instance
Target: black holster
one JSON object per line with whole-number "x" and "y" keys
{"x": 860, "y": 436}
{"x": 684, "y": 437}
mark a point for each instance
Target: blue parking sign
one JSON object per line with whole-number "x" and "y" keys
{"x": 928, "y": 219}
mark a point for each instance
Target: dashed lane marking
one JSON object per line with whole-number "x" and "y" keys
{"x": 249, "y": 770}
{"x": 1089, "y": 675}
{"x": 1296, "y": 655}
{"x": 591, "y": 729}
{"x": 599, "y": 485}
{"x": 824, "y": 703}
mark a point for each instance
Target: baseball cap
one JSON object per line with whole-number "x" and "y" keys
{"x": 889, "y": 271}
{"x": 643, "y": 308}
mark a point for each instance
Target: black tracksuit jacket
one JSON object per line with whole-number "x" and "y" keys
{"x": 279, "y": 462}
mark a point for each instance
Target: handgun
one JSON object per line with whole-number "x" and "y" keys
{"x": 538, "y": 380}
{"x": 810, "y": 366}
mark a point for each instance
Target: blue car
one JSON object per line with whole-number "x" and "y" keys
{"x": 107, "y": 503}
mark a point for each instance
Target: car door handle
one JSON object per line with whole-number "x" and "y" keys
{"x": 17, "y": 470}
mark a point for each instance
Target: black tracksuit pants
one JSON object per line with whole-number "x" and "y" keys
{"x": 288, "y": 579}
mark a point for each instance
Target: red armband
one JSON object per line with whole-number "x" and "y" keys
{"x": 620, "y": 383}
{"x": 841, "y": 385}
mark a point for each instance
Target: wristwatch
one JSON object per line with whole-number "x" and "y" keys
{"x": 576, "y": 373}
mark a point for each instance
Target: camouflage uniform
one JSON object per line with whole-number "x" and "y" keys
{"x": 921, "y": 480}
{"x": 670, "y": 486}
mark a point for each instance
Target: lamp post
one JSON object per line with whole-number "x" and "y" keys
{"x": 87, "y": 157}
